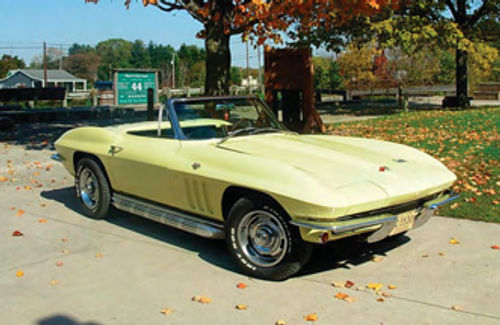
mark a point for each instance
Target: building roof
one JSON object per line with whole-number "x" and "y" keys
{"x": 52, "y": 75}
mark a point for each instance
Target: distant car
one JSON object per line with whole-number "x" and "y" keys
{"x": 224, "y": 167}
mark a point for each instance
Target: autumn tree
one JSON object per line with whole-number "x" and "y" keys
{"x": 356, "y": 66}
{"x": 83, "y": 65}
{"x": 257, "y": 19}
{"x": 8, "y": 62}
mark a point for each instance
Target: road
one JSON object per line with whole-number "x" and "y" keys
{"x": 126, "y": 270}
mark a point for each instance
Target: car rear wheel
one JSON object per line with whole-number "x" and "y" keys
{"x": 92, "y": 188}
{"x": 262, "y": 241}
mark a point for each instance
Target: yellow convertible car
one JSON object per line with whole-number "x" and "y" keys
{"x": 226, "y": 168}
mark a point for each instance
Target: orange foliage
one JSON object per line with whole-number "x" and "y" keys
{"x": 263, "y": 20}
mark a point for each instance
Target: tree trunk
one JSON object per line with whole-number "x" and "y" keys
{"x": 461, "y": 78}
{"x": 218, "y": 61}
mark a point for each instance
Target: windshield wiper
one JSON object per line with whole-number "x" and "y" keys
{"x": 235, "y": 133}
{"x": 268, "y": 129}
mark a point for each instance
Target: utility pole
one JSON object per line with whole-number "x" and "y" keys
{"x": 261, "y": 83}
{"x": 61, "y": 58}
{"x": 248, "y": 69}
{"x": 45, "y": 77}
{"x": 173, "y": 70}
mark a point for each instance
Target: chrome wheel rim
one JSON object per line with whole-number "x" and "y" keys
{"x": 88, "y": 188}
{"x": 262, "y": 238}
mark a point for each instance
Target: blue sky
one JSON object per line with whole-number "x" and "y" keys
{"x": 26, "y": 24}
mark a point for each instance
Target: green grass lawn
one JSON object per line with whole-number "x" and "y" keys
{"x": 466, "y": 141}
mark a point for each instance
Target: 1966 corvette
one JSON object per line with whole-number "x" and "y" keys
{"x": 226, "y": 168}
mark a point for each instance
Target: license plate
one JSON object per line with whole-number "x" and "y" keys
{"x": 404, "y": 222}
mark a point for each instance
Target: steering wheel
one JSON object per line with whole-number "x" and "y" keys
{"x": 240, "y": 122}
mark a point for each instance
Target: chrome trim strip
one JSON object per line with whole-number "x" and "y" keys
{"x": 436, "y": 205}
{"x": 57, "y": 157}
{"x": 169, "y": 217}
{"x": 345, "y": 228}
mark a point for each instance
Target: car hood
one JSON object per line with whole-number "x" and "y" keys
{"x": 346, "y": 163}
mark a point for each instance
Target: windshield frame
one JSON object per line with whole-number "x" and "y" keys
{"x": 175, "y": 123}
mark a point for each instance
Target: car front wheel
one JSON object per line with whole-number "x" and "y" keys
{"x": 262, "y": 241}
{"x": 92, "y": 188}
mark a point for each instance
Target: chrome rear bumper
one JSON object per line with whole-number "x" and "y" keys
{"x": 57, "y": 157}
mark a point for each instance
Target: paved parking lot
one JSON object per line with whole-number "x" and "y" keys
{"x": 69, "y": 269}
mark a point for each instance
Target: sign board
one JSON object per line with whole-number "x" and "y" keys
{"x": 131, "y": 86}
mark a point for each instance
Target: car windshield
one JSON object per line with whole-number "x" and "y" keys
{"x": 224, "y": 118}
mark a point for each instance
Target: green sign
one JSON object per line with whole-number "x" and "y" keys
{"x": 132, "y": 87}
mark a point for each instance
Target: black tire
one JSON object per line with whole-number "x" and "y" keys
{"x": 95, "y": 199}
{"x": 292, "y": 252}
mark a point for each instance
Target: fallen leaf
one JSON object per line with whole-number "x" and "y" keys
{"x": 441, "y": 254}
{"x": 20, "y": 273}
{"x": 311, "y": 317}
{"x": 241, "y": 285}
{"x": 166, "y": 311}
{"x": 495, "y": 247}
{"x": 454, "y": 241}
{"x": 12, "y": 208}
{"x": 386, "y": 294}
{"x": 377, "y": 259}
{"x": 27, "y": 188}
{"x": 350, "y": 299}
{"x": 280, "y": 322}
{"x": 64, "y": 251}
{"x": 454, "y": 206}
{"x": 241, "y": 307}
{"x": 341, "y": 295}
{"x": 338, "y": 284}
{"x": 455, "y": 307}
{"x": 37, "y": 163}
{"x": 375, "y": 286}
{"x": 36, "y": 174}
{"x": 495, "y": 202}
{"x": 349, "y": 284}
{"x": 3, "y": 179}
{"x": 55, "y": 282}
{"x": 202, "y": 299}
{"x": 380, "y": 299}
{"x": 43, "y": 205}
{"x": 20, "y": 212}
{"x": 391, "y": 287}
{"x": 41, "y": 220}
{"x": 59, "y": 264}
{"x": 17, "y": 233}
{"x": 64, "y": 239}
{"x": 425, "y": 255}
{"x": 98, "y": 255}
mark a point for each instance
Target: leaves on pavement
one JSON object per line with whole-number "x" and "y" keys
{"x": 20, "y": 273}
{"x": 454, "y": 241}
{"x": 241, "y": 307}
{"x": 311, "y": 317}
{"x": 201, "y": 299}
{"x": 166, "y": 311}
{"x": 17, "y": 233}
{"x": 241, "y": 285}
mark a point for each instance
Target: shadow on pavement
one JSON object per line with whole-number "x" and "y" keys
{"x": 345, "y": 253}
{"x": 63, "y": 320}
{"x": 39, "y": 136}
{"x": 212, "y": 251}
{"x": 348, "y": 253}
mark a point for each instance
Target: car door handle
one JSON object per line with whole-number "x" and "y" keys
{"x": 114, "y": 149}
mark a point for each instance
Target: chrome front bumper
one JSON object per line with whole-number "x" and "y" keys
{"x": 386, "y": 222}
